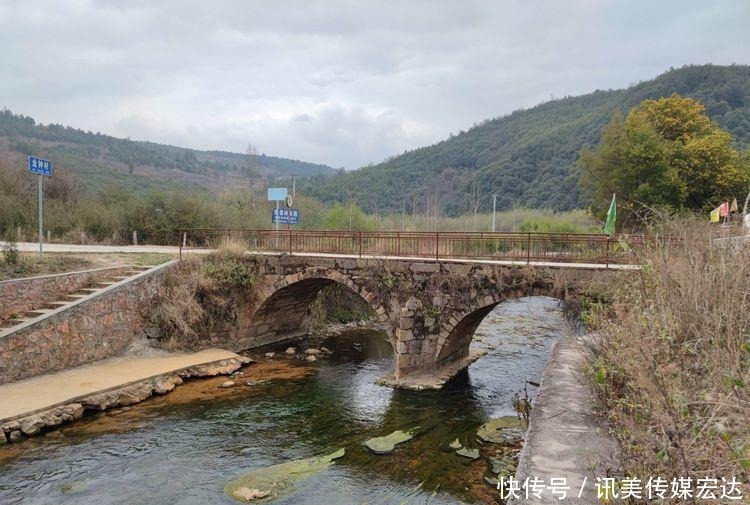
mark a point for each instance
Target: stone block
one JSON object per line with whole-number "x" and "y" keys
{"x": 425, "y": 268}
{"x": 406, "y": 323}
{"x": 404, "y": 334}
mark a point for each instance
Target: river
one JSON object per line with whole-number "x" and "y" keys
{"x": 183, "y": 448}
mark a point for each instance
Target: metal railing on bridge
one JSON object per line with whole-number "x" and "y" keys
{"x": 526, "y": 247}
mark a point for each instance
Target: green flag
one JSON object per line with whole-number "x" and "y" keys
{"x": 609, "y": 226}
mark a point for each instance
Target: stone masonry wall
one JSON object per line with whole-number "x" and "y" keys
{"x": 98, "y": 326}
{"x": 430, "y": 309}
{"x": 22, "y": 295}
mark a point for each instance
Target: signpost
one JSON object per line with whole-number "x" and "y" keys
{"x": 277, "y": 195}
{"x": 285, "y": 216}
{"x": 41, "y": 168}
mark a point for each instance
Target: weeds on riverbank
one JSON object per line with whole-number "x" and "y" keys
{"x": 14, "y": 264}
{"x": 672, "y": 356}
{"x": 198, "y": 294}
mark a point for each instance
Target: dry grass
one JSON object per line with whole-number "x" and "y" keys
{"x": 672, "y": 357}
{"x": 199, "y": 294}
{"x": 232, "y": 245}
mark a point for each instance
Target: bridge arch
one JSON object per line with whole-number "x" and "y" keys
{"x": 457, "y": 332}
{"x": 279, "y": 306}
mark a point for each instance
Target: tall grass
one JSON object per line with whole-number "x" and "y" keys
{"x": 673, "y": 355}
{"x": 518, "y": 219}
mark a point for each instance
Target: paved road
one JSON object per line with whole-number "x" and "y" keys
{"x": 76, "y": 248}
{"x": 49, "y": 390}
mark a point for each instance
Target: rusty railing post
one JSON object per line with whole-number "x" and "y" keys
{"x": 606, "y": 253}
{"x": 528, "y": 249}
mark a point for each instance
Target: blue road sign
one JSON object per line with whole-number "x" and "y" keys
{"x": 40, "y": 166}
{"x": 276, "y": 194}
{"x": 285, "y": 216}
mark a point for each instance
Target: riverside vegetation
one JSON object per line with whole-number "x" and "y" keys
{"x": 672, "y": 356}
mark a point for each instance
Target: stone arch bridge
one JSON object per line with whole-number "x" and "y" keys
{"x": 429, "y": 308}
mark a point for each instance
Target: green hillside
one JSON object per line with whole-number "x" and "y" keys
{"x": 529, "y": 157}
{"x": 99, "y": 160}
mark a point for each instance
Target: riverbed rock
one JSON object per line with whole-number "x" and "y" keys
{"x": 456, "y": 444}
{"x": 311, "y": 358}
{"x": 3, "y": 440}
{"x": 165, "y": 384}
{"x": 227, "y": 384}
{"x": 250, "y": 494}
{"x": 504, "y": 464}
{"x": 15, "y": 436}
{"x": 270, "y": 354}
{"x": 326, "y": 350}
{"x": 468, "y": 453}
{"x": 291, "y": 351}
{"x": 256, "y": 383}
{"x": 493, "y": 431}
{"x": 312, "y": 351}
{"x": 10, "y": 426}
{"x": 278, "y": 480}
{"x": 75, "y": 486}
{"x": 386, "y": 444}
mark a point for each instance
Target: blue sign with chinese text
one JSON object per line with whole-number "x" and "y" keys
{"x": 285, "y": 216}
{"x": 40, "y": 166}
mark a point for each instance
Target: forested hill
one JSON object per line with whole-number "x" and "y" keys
{"x": 529, "y": 157}
{"x": 98, "y": 160}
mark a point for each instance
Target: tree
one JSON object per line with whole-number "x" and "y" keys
{"x": 665, "y": 153}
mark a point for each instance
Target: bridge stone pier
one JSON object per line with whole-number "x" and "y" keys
{"x": 430, "y": 309}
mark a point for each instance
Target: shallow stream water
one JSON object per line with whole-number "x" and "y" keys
{"x": 184, "y": 447}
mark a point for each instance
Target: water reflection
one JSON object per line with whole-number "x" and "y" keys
{"x": 184, "y": 447}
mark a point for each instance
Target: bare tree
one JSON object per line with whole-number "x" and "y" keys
{"x": 474, "y": 203}
{"x": 252, "y": 163}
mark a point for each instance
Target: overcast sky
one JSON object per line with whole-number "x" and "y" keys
{"x": 342, "y": 83}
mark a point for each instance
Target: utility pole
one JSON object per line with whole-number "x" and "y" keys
{"x": 294, "y": 186}
{"x": 494, "y": 204}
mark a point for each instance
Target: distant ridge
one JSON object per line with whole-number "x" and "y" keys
{"x": 99, "y": 160}
{"x": 529, "y": 157}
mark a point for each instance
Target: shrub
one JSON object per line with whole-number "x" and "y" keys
{"x": 198, "y": 295}
{"x": 673, "y": 353}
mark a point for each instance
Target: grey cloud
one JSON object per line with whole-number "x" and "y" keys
{"x": 338, "y": 82}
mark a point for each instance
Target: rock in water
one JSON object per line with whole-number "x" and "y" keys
{"x": 456, "y": 444}
{"x": 291, "y": 351}
{"x": 277, "y": 480}
{"x": 311, "y": 358}
{"x": 493, "y": 431}
{"x": 270, "y": 354}
{"x": 247, "y": 494}
{"x": 75, "y": 486}
{"x": 227, "y": 384}
{"x": 468, "y": 453}
{"x": 386, "y": 444}
{"x": 312, "y": 351}
{"x": 326, "y": 350}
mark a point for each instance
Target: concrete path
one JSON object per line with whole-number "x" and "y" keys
{"x": 565, "y": 439}
{"x": 75, "y": 248}
{"x": 43, "y": 392}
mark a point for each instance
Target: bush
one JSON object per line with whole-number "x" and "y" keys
{"x": 198, "y": 295}
{"x": 673, "y": 355}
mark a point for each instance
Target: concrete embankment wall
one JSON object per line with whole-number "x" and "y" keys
{"x": 21, "y": 295}
{"x": 565, "y": 438}
{"x": 95, "y": 327}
